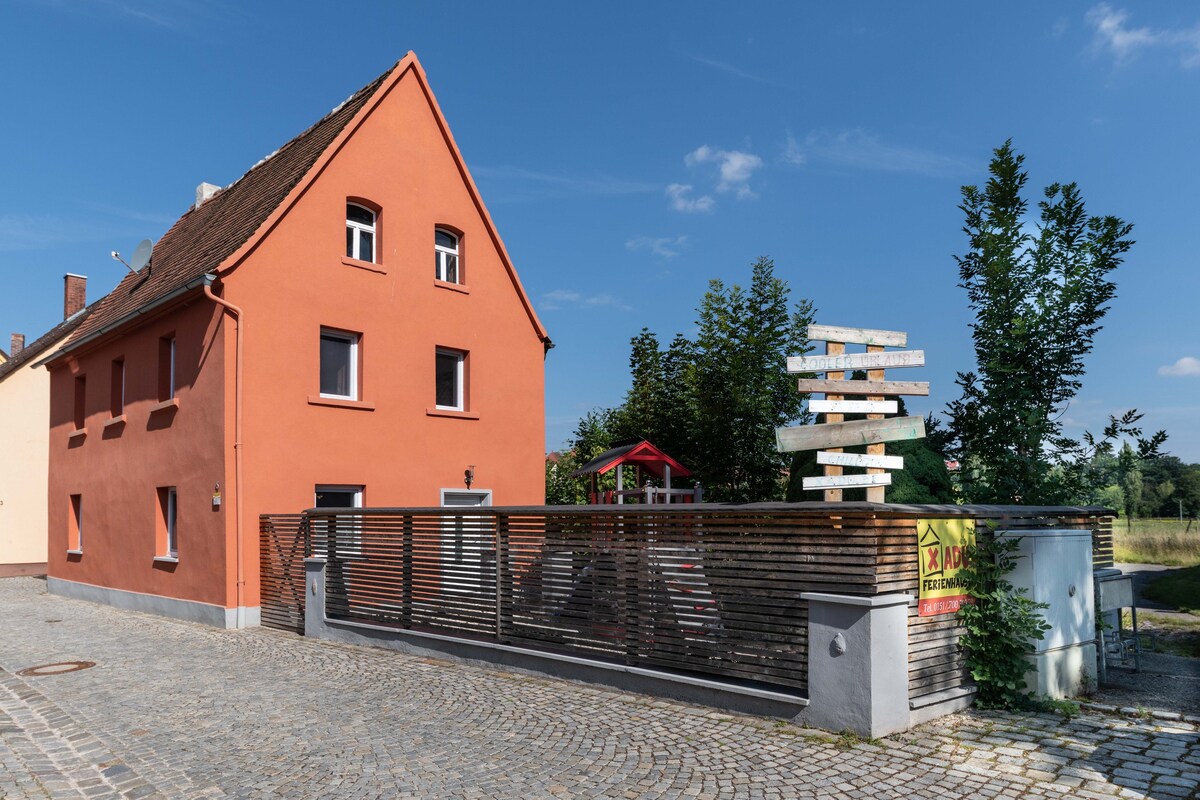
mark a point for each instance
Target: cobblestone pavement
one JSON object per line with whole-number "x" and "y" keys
{"x": 177, "y": 710}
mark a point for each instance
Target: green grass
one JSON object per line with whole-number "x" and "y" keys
{"x": 1156, "y": 541}
{"x": 1179, "y": 590}
{"x": 1178, "y": 636}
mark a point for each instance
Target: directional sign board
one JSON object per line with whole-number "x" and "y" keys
{"x": 848, "y": 434}
{"x": 833, "y": 333}
{"x": 848, "y": 481}
{"x": 860, "y": 460}
{"x": 851, "y": 361}
{"x": 890, "y": 388}
{"x": 853, "y": 406}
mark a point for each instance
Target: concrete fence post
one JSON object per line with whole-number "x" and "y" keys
{"x": 857, "y": 663}
{"x": 314, "y": 601}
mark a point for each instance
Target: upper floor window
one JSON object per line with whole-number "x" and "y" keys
{"x": 117, "y": 388}
{"x": 166, "y": 368}
{"x": 445, "y": 252}
{"x": 339, "y": 364}
{"x": 80, "y": 401}
{"x": 450, "y": 380}
{"x": 360, "y": 232}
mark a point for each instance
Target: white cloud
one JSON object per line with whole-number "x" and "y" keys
{"x": 664, "y": 246}
{"x": 681, "y": 200}
{"x": 1124, "y": 43}
{"x": 559, "y": 299}
{"x": 1188, "y": 366}
{"x": 734, "y": 167}
{"x": 859, "y": 149}
{"x": 519, "y": 184}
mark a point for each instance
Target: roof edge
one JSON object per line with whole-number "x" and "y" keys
{"x": 204, "y": 280}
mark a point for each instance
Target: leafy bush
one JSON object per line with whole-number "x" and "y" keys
{"x": 1001, "y": 625}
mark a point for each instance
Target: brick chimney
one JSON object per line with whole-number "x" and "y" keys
{"x": 17, "y": 344}
{"x": 74, "y": 294}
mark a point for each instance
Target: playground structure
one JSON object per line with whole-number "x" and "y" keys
{"x": 648, "y": 462}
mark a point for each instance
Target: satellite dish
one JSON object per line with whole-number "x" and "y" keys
{"x": 141, "y": 256}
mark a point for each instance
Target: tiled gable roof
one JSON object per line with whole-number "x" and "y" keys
{"x": 47, "y": 340}
{"x": 204, "y": 237}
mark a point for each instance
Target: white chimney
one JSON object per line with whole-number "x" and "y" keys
{"x": 205, "y": 192}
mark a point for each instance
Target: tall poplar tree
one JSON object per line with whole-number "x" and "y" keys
{"x": 1039, "y": 289}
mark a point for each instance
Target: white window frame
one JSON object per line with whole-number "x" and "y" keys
{"x": 359, "y": 228}
{"x": 171, "y": 386}
{"x": 172, "y": 522}
{"x": 352, "y": 339}
{"x": 465, "y": 542}
{"x": 442, "y": 252}
{"x": 354, "y": 545}
{"x": 459, "y": 375}
{"x": 77, "y": 513}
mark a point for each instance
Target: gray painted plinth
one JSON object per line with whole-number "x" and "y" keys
{"x": 190, "y": 610}
{"x": 689, "y": 688}
{"x": 857, "y": 663}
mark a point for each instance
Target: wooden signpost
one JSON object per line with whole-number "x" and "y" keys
{"x": 829, "y": 438}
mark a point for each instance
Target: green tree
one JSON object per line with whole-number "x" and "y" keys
{"x": 641, "y": 411}
{"x": 1038, "y": 300}
{"x": 741, "y": 388}
{"x": 1131, "y": 481}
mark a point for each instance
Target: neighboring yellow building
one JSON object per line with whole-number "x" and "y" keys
{"x": 25, "y": 439}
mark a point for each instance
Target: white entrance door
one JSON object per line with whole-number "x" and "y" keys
{"x": 465, "y": 541}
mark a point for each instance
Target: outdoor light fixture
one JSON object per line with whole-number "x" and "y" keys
{"x": 469, "y": 475}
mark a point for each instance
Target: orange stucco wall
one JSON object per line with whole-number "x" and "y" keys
{"x": 293, "y": 282}
{"x": 117, "y": 469}
{"x": 296, "y": 282}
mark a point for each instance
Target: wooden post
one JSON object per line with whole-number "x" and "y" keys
{"x": 875, "y": 494}
{"x": 834, "y": 349}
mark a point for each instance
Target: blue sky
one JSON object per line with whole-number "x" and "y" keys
{"x": 631, "y": 152}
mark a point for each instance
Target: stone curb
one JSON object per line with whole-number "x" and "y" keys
{"x": 1141, "y": 713}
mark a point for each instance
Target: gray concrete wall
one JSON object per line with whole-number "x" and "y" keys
{"x": 189, "y": 610}
{"x": 858, "y": 663}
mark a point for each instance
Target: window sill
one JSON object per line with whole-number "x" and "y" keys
{"x": 167, "y": 559}
{"x": 114, "y": 422}
{"x": 77, "y": 435}
{"x": 369, "y": 266}
{"x": 164, "y": 405}
{"x": 75, "y": 552}
{"x": 454, "y": 287}
{"x": 336, "y": 402}
{"x": 451, "y": 413}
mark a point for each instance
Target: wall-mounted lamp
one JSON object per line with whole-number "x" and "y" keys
{"x": 469, "y": 475}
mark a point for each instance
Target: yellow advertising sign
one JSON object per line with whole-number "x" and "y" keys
{"x": 941, "y": 545}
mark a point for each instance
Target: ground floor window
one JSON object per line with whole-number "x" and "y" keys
{"x": 75, "y": 535}
{"x": 167, "y": 545}
{"x": 339, "y": 536}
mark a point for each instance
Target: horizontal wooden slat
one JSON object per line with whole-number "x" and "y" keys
{"x": 834, "y": 333}
{"x": 850, "y": 361}
{"x": 847, "y": 434}
{"x": 853, "y": 406}
{"x": 860, "y": 460}
{"x": 854, "y": 388}
{"x": 848, "y": 481}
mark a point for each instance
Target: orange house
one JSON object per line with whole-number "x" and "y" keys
{"x": 342, "y": 326}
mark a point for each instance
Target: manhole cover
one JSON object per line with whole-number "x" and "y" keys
{"x": 60, "y": 668}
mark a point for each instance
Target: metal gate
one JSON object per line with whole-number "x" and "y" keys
{"x": 283, "y": 545}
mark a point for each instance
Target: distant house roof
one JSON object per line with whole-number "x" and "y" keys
{"x": 638, "y": 452}
{"x": 47, "y": 340}
{"x": 204, "y": 237}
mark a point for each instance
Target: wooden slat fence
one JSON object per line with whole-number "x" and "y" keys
{"x": 705, "y": 589}
{"x": 283, "y": 544}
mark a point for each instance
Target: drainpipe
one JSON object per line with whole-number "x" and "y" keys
{"x": 237, "y": 448}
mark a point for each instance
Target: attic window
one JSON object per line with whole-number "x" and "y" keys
{"x": 445, "y": 250}
{"x": 360, "y": 232}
